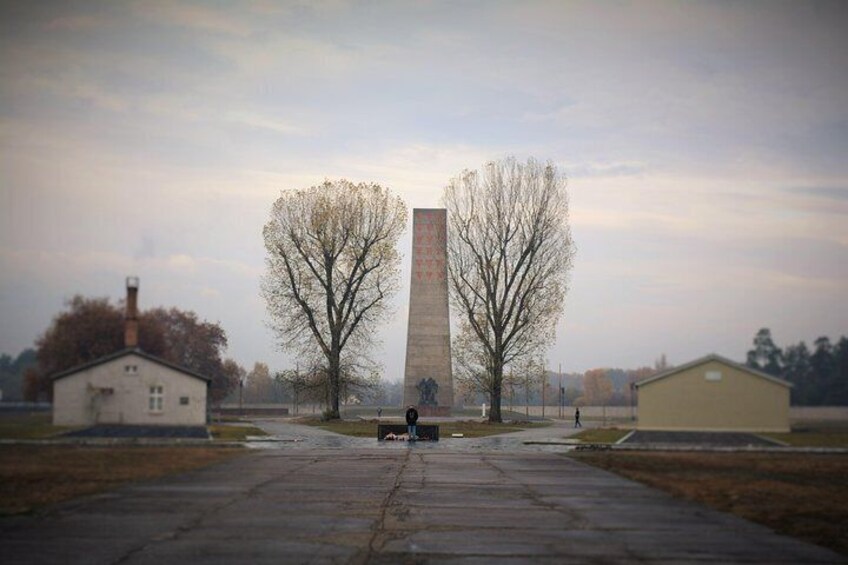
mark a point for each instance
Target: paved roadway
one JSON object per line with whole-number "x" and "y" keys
{"x": 326, "y": 499}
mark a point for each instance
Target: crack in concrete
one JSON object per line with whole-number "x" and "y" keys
{"x": 573, "y": 515}
{"x": 379, "y": 526}
{"x": 578, "y": 520}
{"x": 204, "y": 514}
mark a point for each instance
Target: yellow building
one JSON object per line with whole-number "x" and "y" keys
{"x": 714, "y": 394}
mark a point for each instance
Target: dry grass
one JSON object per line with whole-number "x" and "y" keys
{"x": 34, "y": 476}
{"x": 812, "y": 438}
{"x": 601, "y": 435}
{"x": 224, "y": 432}
{"x": 29, "y": 425}
{"x": 801, "y": 495}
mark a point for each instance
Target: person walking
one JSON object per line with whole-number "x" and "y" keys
{"x": 411, "y": 422}
{"x": 577, "y": 423}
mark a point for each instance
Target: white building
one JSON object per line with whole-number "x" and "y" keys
{"x": 130, "y": 386}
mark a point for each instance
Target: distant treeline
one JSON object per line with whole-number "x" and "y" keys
{"x": 12, "y": 371}
{"x": 820, "y": 376}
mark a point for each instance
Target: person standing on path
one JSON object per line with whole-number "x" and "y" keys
{"x": 577, "y": 423}
{"x": 411, "y": 422}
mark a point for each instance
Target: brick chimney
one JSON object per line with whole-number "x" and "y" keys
{"x": 131, "y": 318}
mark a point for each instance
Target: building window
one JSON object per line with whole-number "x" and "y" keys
{"x": 131, "y": 369}
{"x": 184, "y": 400}
{"x": 155, "y": 400}
{"x": 713, "y": 376}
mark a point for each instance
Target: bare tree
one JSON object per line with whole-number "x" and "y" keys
{"x": 311, "y": 384}
{"x": 332, "y": 261}
{"x": 509, "y": 254}
{"x": 303, "y": 386}
{"x": 528, "y": 371}
{"x": 470, "y": 363}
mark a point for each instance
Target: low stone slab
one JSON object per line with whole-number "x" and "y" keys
{"x": 426, "y": 432}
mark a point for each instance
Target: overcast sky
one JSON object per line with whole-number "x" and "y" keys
{"x": 706, "y": 146}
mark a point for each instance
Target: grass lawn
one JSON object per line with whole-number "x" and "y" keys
{"x": 36, "y": 425}
{"x": 34, "y": 476}
{"x": 29, "y": 425}
{"x": 813, "y": 437}
{"x": 222, "y": 432}
{"x": 801, "y": 495}
{"x": 368, "y": 428}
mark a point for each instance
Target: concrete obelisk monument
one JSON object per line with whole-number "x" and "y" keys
{"x": 428, "y": 380}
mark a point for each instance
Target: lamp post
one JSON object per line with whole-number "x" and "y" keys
{"x": 296, "y": 388}
{"x": 632, "y": 400}
{"x": 241, "y": 395}
{"x": 544, "y": 384}
{"x": 559, "y": 372}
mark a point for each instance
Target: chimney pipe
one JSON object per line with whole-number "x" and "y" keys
{"x": 131, "y": 318}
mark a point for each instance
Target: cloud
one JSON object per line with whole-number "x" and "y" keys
{"x": 605, "y": 169}
{"x": 417, "y": 171}
{"x": 194, "y": 17}
{"x": 77, "y": 265}
{"x": 146, "y": 248}
{"x": 210, "y": 292}
{"x": 82, "y": 22}
{"x": 259, "y": 121}
{"x": 727, "y": 209}
{"x": 837, "y": 193}
{"x": 182, "y": 263}
{"x": 704, "y": 146}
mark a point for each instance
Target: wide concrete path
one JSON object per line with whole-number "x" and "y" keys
{"x": 410, "y": 505}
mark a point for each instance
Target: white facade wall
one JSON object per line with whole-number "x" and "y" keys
{"x": 108, "y": 394}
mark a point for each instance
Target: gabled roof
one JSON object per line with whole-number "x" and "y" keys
{"x": 707, "y": 359}
{"x": 123, "y": 353}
